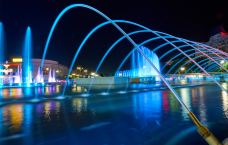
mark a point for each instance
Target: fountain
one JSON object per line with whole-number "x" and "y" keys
{"x": 1, "y": 51}
{"x": 26, "y": 63}
{"x": 21, "y": 76}
{"x": 39, "y": 76}
{"x": 145, "y": 62}
{"x": 140, "y": 67}
{"x": 51, "y": 76}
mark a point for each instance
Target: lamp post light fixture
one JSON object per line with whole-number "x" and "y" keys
{"x": 182, "y": 68}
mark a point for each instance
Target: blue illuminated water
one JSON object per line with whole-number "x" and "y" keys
{"x": 140, "y": 67}
{"x": 2, "y": 45}
{"x": 26, "y": 64}
{"x": 140, "y": 116}
{"x": 2, "y": 49}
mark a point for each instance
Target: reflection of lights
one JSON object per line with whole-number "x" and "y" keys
{"x": 57, "y": 89}
{"x": 174, "y": 104}
{"x": 27, "y": 91}
{"x": 47, "y": 91}
{"x": 185, "y": 96}
{"x": 47, "y": 69}
{"x": 134, "y": 90}
{"x": 5, "y": 93}
{"x": 74, "y": 90}
{"x": 202, "y": 109}
{"x": 47, "y": 106}
{"x": 60, "y": 97}
{"x": 85, "y": 95}
{"x": 57, "y": 71}
{"x": 35, "y": 100}
{"x": 225, "y": 100}
{"x": 57, "y": 107}
{"x": 165, "y": 101}
{"x": 104, "y": 93}
{"x": 16, "y": 92}
{"x": 201, "y": 91}
{"x": 16, "y": 116}
{"x": 122, "y": 92}
{"x": 79, "y": 89}
{"x": 79, "y": 104}
{"x": 147, "y": 105}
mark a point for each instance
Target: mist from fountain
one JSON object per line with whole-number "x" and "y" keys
{"x": 51, "y": 76}
{"x": 17, "y": 79}
{"x": 39, "y": 76}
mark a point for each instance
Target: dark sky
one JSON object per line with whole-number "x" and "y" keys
{"x": 191, "y": 19}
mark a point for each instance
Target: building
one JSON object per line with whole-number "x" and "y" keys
{"x": 60, "y": 70}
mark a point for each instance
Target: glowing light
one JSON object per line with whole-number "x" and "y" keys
{"x": 85, "y": 95}
{"x": 104, "y": 93}
{"x": 17, "y": 60}
{"x": 182, "y": 68}
{"x": 222, "y": 62}
{"x": 122, "y": 92}
{"x": 140, "y": 67}
{"x": 79, "y": 68}
{"x": 94, "y": 74}
{"x": 60, "y": 97}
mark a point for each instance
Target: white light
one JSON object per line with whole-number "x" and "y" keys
{"x": 222, "y": 62}
{"x": 182, "y": 68}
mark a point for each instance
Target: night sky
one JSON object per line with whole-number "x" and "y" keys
{"x": 191, "y": 19}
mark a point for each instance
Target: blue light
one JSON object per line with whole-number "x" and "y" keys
{"x": 26, "y": 63}
{"x": 104, "y": 93}
{"x": 85, "y": 95}
{"x": 140, "y": 67}
{"x": 122, "y": 92}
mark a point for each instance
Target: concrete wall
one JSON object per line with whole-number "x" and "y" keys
{"x": 102, "y": 80}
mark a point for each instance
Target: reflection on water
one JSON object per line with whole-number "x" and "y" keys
{"x": 186, "y": 98}
{"x": 131, "y": 118}
{"x": 225, "y": 100}
{"x": 148, "y": 105}
{"x": 79, "y": 104}
{"x": 11, "y": 93}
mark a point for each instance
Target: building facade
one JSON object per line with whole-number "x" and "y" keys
{"x": 60, "y": 70}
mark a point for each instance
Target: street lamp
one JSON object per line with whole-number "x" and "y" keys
{"x": 182, "y": 68}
